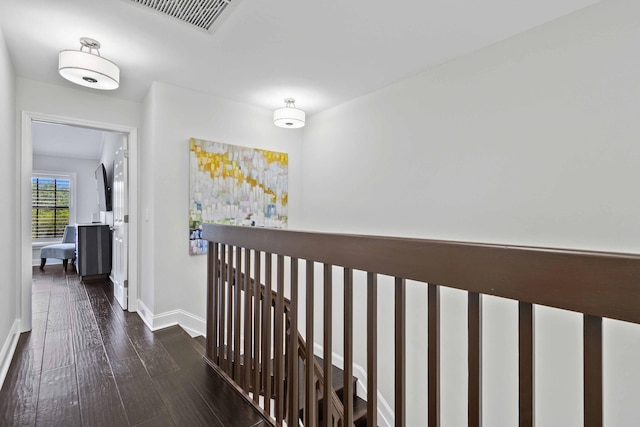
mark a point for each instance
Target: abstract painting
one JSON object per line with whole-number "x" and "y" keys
{"x": 229, "y": 184}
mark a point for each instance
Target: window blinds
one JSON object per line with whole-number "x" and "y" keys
{"x": 50, "y": 206}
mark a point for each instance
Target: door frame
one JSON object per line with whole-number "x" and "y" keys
{"x": 24, "y": 207}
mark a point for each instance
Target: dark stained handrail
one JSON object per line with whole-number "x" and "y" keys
{"x": 596, "y": 283}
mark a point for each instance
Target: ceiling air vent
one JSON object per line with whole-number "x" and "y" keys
{"x": 201, "y": 13}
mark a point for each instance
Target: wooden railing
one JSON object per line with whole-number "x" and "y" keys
{"x": 598, "y": 285}
{"x": 256, "y": 310}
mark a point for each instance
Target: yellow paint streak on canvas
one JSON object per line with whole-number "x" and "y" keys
{"x": 220, "y": 165}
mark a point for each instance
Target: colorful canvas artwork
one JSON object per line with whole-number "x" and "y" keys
{"x": 229, "y": 184}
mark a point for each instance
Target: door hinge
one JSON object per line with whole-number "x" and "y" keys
{"x": 126, "y": 284}
{"x": 126, "y": 219}
{"x": 126, "y": 154}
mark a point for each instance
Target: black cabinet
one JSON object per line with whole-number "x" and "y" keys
{"x": 93, "y": 250}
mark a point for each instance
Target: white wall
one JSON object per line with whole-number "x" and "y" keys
{"x": 67, "y": 100}
{"x": 172, "y": 117}
{"x": 532, "y": 141}
{"x": 526, "y": 142}
{"x": 148, "y": 151}
{"x": 8, "y": 173}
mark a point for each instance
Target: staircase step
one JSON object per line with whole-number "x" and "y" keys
{"x": 359, "y": 413}
{"x": 337, "y": 379}
{"x": 359, "y": 404}
{"x": 337, "y": 375}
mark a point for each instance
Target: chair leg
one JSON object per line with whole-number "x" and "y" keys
{"x": 43, "y": 261}
{"x": 64, "y": 264}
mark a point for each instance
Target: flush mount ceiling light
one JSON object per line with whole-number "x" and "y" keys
{"x": 88, "y": 68}
{"x": 289, "y": 116}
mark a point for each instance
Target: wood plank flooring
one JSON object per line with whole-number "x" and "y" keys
{"x": 89, "y": 363}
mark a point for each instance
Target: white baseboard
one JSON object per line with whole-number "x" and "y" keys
{"x": 192, "y": 324}
{"x": 386, "y": 416}
{"x": 8, "y": 349}
{"x": 145, "y": 314}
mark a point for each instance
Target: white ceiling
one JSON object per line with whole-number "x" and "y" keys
{"x": 66, "y": 141}
{"x": 322, "y": 53}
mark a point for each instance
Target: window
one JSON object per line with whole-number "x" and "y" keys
{"x": 51, "y": 204}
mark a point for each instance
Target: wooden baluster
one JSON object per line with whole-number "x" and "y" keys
{"x": 400, "y": 347}
{"x": 209, "y": 333}
{"x": 474, "y": 322}
{"x": 230, "y": 279}
{"x": 222, "y": 360}
{"x": 248, "y": 362}
{"x": 257, "y": 304}
{"x": 525, "y": 364}
{"x": 372, "y": 349}
{"x": 212, "y": 301}
{"x": 310, "y": 401}
{"x": 592, "y": 370}
{"x": 318, "y": 392}
{"x": 293, "y": 401}
{"x": 327, "y": 350}
{"x": 237, "y": 312}
{"x": 266, "y": 334}
{"x": 347, "y": 398}
{"x": 278, "y": 341}
{"x": 287, "y": 369}
{"x": 433, "y": 343}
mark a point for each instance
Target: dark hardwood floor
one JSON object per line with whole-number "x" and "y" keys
{"x": 89, "y": 363}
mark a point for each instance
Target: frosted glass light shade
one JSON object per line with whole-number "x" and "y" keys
{"x": 289, "y": 117}
{"x": 87, "y": 69}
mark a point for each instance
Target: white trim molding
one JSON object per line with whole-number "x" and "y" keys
{"x": 386, "y": 416}
{"x": 8, "y": 350}
{"x": 192, "y": 324}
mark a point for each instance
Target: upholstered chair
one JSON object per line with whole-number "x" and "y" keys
{"x": 65, "y": 251}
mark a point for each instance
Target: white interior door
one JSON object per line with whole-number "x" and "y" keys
{"x": 119, "y": 271}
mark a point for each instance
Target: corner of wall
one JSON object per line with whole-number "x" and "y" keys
{"x": 9, "y": 215}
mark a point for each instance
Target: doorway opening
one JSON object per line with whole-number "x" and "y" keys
{"x": 79, "y": 149}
